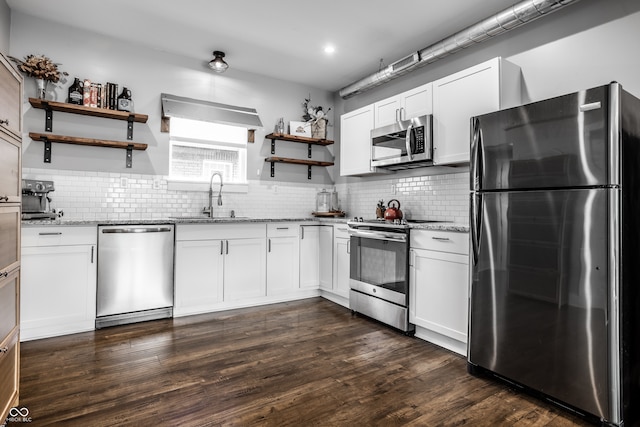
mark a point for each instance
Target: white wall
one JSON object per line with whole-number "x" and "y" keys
{"x": 148, "y": 73}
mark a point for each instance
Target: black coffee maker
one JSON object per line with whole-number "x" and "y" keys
{"x": 36, "y": 203}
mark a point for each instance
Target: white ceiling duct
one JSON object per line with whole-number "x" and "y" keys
{"x": 506, "y": 20}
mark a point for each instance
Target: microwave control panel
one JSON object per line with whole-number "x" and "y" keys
{"x": 418, "y": 140}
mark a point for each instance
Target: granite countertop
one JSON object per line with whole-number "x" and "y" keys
{"x": 442, "y": 226}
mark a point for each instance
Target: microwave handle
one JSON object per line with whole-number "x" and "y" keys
{"x": 407, "y": 141}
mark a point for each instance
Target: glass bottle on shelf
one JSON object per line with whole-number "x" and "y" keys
{"x": 76, "y": 92}
{"x": 124, "y": 100}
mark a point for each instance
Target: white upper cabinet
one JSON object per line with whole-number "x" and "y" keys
{"x": 407, "y": 105}
{"x": 355, "y": 142}
{"x": 490, "y": 86}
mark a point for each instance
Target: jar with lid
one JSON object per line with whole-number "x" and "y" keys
{"x": 323, "y": 201}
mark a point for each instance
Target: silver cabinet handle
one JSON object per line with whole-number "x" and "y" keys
{"x": 50, "y": 233}
{"x": 349, "y": 246}
{"x": 221, "y": 247}
{"x": 4, "y": 122}
{"x": 269, "y": 241}
{"x": 4, "y": 350}
{"x": 137, "y": 230}
{"x": 92, "y": 247}
{"x": 302, "y": 235}
{"x": 442, "y": 239}
{"x": 4, "y": 274}
{"x": 282, "y": 228}
{"x": 4, "y": 198}
{"x": 227, "y": 252}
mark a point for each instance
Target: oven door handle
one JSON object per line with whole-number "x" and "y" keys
{"x": 379, "y": 235}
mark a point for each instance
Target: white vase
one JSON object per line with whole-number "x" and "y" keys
{"x": 41, "y": 88}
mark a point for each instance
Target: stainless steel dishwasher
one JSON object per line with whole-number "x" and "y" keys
{"x": 135, "y": 273}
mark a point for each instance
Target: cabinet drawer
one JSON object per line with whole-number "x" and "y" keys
{"x": 443, "y": 241}
{"x": 9, "y": 171}
{"x": 220, "y": 231}
{"x": 10, "y": 99}
{"x": 341, "y": 231}
{"x": 283, "y": 229}
{"x": 59, "y": 236}
{"x": 9, "y": 355}
{"x": 9, "y": 302}
{"x": 9, "y": 237}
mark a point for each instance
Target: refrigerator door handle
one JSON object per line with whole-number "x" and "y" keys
{"x": 476, "y": 154}
{"x": 476, "y": 223}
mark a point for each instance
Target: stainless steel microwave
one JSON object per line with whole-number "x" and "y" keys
{"x": 405, "y": 144}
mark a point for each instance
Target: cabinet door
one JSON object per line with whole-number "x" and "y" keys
{"x": 341, "y": 267}
{"x": 58, "y": 290}
{"x": 325, "y": 266}
{"x": 439, "y": 292}
{"x": 10, "y": 153}
{"x": 282, "y": 265}
{"x": 9, "y": 288}
{"x": 9, "y": 373}
{"x": 457, "y": 98}
{"x": 244, "y": 269}
{"x": 10, "y": 100}
{"x": 417, "y": 102}
{"x": 198, "y": 276}
{"x": 9, "y": 237}
{"x": 387, "y": 111}
{"x": 309, "y": 256}
{"x": 355, "y": 141}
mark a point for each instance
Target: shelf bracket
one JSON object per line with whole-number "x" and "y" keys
{"x": 273, "y": 169}
{"x": 273, "y": 146}
{"x": 129, "y": 158}
{"x": 48, "y": 117}
{"x": 47, "y": 149}
{"x": 309, "y": 172}
{"x": 309, "y": 151}
{"x": 130, "y": 126}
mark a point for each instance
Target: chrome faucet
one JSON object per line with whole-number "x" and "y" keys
{"x": 209, "y": 210}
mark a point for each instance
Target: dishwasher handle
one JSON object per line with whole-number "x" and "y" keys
{"x": 137, "y": 230}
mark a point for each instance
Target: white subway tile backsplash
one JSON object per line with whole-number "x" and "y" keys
{"x": 100, "y": 195}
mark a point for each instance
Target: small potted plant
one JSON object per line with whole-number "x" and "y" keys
{"x": 41, "y": 68}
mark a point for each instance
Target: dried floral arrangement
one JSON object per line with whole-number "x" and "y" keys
{"x": 313, "y": 114}
{"x": 40, "y": 67}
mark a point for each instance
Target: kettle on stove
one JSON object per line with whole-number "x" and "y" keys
{"x": 393, "y": 212}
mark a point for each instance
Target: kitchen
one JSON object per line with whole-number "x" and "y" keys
{"x": 550, "y": 53}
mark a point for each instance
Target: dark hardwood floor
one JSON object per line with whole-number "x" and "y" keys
{"x": 303, "y": 363}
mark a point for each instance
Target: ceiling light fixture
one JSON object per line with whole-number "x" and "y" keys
{"x": 329, "y": 49}
{"x": 218, "y": 64}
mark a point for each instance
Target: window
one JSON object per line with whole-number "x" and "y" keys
{"x": 197, "y": 149}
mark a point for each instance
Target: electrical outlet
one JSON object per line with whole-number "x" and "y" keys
{"x": 275, "y": 189}
{"x": 156, "y": 184}
{"x": 124, "y": 182}
{"x": 393, "y": 189}
{"x": 258, "y": 172}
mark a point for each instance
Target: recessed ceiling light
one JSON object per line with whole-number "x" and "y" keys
{"x": 329, "y": 49}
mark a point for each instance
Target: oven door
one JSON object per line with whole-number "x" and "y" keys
{"x": 379, "y": 264}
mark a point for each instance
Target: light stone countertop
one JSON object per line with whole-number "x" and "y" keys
{"x": 440, "y": 226}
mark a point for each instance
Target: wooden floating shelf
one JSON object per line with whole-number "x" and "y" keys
{"x": 297, "y": 161}
{"x": 301, "y": 139}
{"x": 308, "y": 163}
{"x": 86, "y": 141}
{"x": 65, "y": 107}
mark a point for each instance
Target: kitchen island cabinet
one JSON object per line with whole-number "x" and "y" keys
{"x": 58, "y": 294}
{"x": 439, "y": 287}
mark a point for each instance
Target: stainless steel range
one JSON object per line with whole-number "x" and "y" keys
{"x": 379, "y": 274}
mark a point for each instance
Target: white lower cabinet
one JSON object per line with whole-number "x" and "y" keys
{"x": 58, "y": 281}
{"x": 439, "y": 287}
{"x": 283, "y": 254}
{"x": 309, "y": 256}
{"x": 218, "y": 264}
{"x": 341, "y": 263}
{"x": 325, "y": 263}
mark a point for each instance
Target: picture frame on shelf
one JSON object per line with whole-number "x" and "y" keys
{"x": 300, "y": 129}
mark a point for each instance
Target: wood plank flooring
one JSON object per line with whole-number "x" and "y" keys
{"x": 302, "y": 363}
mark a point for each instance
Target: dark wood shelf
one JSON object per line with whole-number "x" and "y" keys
{"x": 297, "y": 161}
{"x": 300, "y": 139}
{"x": 65, "y": 107}
{"x": 86, "y": 141}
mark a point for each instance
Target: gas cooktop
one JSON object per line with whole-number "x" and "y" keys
{"x": 380, "y": 222}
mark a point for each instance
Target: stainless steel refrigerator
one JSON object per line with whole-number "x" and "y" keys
{"x": 555, "y": 260}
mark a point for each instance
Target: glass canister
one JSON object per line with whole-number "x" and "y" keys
{"x": 335, "y": 207}
{"x": 323, "y": 201}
